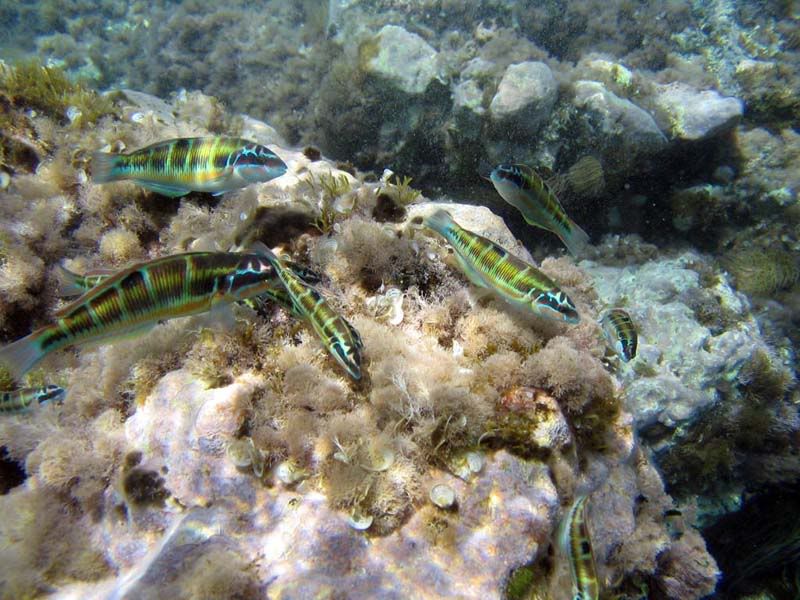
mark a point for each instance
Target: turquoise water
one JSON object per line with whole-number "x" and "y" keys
{"x": 667, "y": 131}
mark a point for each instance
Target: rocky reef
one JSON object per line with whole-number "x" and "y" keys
{"x": 226, "y": 455}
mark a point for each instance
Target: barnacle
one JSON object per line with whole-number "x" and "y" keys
{"x": 762, "y": 271}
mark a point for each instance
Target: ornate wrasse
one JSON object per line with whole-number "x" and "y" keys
{"x": 203, "y": 164}
{"x": 575, "y": 545}
{"x": 75, "y": 284}
{"x": 620, "y": 333}
{"x": 338, "y": 336}
{"x": 489, "y": 265}
{"x": 522, "y": 188}
{"x": 142, "y": 295}
{"x": 25, "y": 399}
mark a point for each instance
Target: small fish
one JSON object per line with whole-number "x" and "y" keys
{"x": 142, "y": 295}
{"x": 338, "y": 336}
{"x": 620, "y": 333}
{"x": 576, "y": 545}
{"x": 522, "y": 188}
{"x": 23, "y": 400}
{"x": 489, "y": 265}
{"x": 204, "y": 164}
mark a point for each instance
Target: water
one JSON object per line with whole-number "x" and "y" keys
{"x": 666, "y": 130}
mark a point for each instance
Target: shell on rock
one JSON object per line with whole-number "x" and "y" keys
{"x": 442, "y": 495}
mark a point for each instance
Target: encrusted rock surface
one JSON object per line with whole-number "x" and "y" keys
{"x": 689, "y": 114}
{"x": 524, "y": 98}
{"x": 403, "y": 59}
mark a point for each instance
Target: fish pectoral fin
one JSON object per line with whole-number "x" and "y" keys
{"x": 163, "y": 189}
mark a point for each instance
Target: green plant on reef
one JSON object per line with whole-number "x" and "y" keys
{"x": 400, "y": 190}
{"x": 330, "y": 187}
{"x": 48, "y": 89}
{"x": 762, "y": 271}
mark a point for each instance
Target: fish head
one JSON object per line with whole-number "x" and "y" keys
{"x": 556, "y": 305}
{"x": 253, "y": 275}
{"x": 52, "y": 393}
{"x": 507, "y": 174}
{"x": 256, "y": 164}
{"x": 349, "y": 356}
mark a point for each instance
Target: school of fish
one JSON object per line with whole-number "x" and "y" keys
{"x": 113, "y": 303}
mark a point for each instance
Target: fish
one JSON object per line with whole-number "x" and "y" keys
{"x": 620, "y": 333}
{"x": 489, "y": 265}
{"x": 176, "y": 167}
{"x": 575, "y": 544}
{"x": 74, "y": 284}
{"x": 522, "y": 188}
{"x": 139, "y": 297}
{"x": 338, "y": 336}
{"x": 24, "y": 399}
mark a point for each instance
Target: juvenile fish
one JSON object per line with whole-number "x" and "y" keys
{"x": 338, "y": 336}
{"x": 23, "y": 400}
{"x": 489, "y": 265}
{"x": 576, "y": 545}
{"x": 620, "y": 333}
{"x": 203, "y": 164}
{"x": 139, "y": 297}
{"x": 522, "y": 188}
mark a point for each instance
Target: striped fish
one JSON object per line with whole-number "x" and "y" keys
{"x": 74, "y": 284}
{"x": 491, "y": 266}
{"x": 204, "y": 164}
{"x": 576, "y": 545}
{"x": 337, "y": 335}
{"x": 23, "y": 400}
{"x": 620, "y": 333}
{"x": 522, "y": 188}
{"x": 139, "y": 297}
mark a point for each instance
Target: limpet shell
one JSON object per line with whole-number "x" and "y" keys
{"x": 442, "y": 495}
{"x": 359, "y": 521}
{"x": 288, "y": 472}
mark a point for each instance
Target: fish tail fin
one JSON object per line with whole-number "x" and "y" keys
{"x": 19, "y": 357}
{"x": 576, "y": 239}
{"x": 104, "y": 167}
{"x": 69, "y": 283}
{"x": 439, "y": 221}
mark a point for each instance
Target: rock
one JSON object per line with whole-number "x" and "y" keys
{"x": 403, "y": 59}
{"x": 686, "y": 362}
{"x": 625, "y": 130}
{"x": 688, "y": 114}
{"x": 525, "y": 97}
{"x": 468, "y": 110}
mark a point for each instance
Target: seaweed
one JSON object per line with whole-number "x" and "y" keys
{"x": 30, "y": 84}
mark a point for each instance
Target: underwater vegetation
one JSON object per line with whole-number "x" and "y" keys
{"x": 224, "y": 454}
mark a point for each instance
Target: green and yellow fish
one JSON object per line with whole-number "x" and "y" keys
{"x": 74, "y": 284}
{"x": 204, "y": 164}
{"x": 522, "y": 188}
{"x": 620, "y": 333}
{"x": 338, "y": 336}
{"x": 576, "y": 545}
{"x": 489, "y": 265}
{"x": 140, "y": 296}
{"x": 23, "y": 400}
